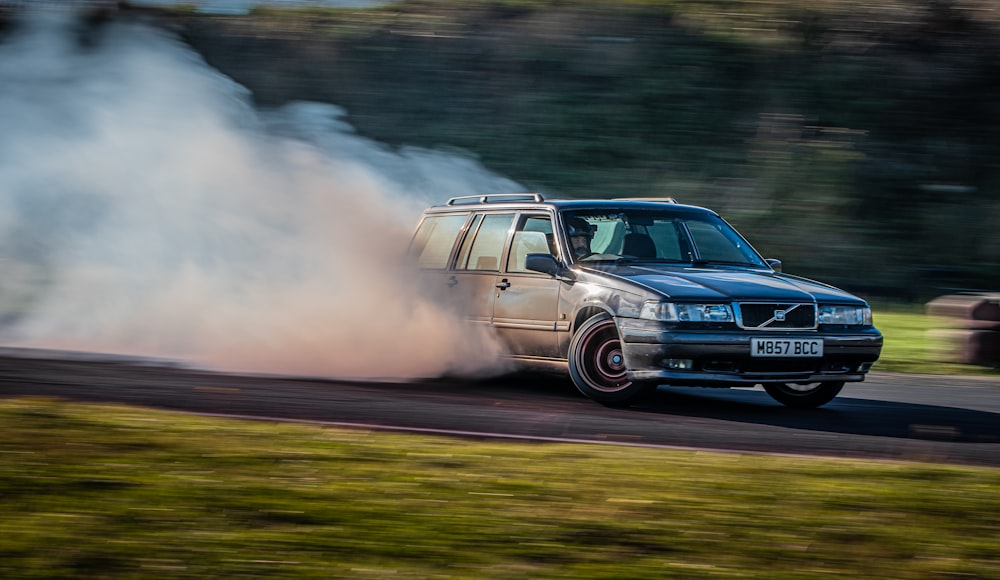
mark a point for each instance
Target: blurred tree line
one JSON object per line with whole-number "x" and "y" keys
{"x": 856, "y": 141}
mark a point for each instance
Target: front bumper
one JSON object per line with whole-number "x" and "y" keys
{"x": 722, "y": 357}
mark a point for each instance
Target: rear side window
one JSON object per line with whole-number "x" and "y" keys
{"x": 485, "y": 245}
{"x": 435, "y": 238}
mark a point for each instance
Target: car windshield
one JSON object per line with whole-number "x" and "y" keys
{"x": 662, "y": 236}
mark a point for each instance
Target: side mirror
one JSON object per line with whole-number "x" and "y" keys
{"x": 774, "y": 264}
{"x": 544, "y": 263}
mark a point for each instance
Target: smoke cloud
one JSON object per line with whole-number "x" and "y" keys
{"x": 147, "y": 208}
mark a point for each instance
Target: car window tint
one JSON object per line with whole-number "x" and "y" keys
{"x": 435, "y": 238}
{"x": 487, "y": 243}
{"x": 533, "y": 236}
{"x": 712, "y": 243}
{"x": 608, "y": 234}
{"x": 667, "y": 238}
{"x": 463, "y": 252}
{"x": 537, "y": 224}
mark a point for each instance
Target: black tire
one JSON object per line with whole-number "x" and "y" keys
{"x": 597, "y": 364}
{"x": 804, "y": 395}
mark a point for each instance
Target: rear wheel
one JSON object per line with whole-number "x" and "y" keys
{"x": 597, "y": 364}
{"x": 803, "y": 395}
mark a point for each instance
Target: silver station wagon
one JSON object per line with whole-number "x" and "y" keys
{"x": 630, "y": 294}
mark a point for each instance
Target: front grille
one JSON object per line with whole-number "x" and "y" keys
{"x": 776, "y": 316}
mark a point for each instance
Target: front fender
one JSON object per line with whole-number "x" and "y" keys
{"x": 584, "y": 301}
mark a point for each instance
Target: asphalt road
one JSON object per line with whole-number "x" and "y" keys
{"x": 890, "y": 416}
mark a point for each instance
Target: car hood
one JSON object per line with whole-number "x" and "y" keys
{"x": 691, "y": 283}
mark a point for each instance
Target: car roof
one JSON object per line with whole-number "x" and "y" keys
{"x": 521, "y": 201}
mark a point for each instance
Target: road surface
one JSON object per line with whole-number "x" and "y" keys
{"x": 890, "y": 416}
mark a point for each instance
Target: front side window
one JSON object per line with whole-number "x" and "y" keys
{"x": 532, "y": 236}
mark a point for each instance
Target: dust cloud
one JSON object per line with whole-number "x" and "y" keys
{"x": 147, "y": 208}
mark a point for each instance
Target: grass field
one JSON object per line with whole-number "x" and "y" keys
{"x": 100, "y": 491}
{"x": 90, "y": 491}
{"x": 914, "y": 343}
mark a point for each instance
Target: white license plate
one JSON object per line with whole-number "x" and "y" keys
{"x": 785, "y": 347}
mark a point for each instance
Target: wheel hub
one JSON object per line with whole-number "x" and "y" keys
{"x": 610, "y": 360}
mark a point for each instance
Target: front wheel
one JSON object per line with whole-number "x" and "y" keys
{"x": 597, "y": 364}
{"x": 803, "y": 395}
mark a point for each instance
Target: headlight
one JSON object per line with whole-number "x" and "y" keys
{"x": 850, "y": 315}
{"x": 674, "y": 312}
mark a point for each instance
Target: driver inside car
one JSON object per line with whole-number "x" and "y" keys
{"x": 580, "y": 235}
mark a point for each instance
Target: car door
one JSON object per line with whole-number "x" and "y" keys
{"x": 477, "y": 266}
{"x": 433, "y": 247}
{"x": 526, "y": 304}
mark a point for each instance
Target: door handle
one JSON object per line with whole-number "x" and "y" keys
{"x": 452, "y": 282}
{"x": 503, "y": 284}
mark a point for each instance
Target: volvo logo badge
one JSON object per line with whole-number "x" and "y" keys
{"x": 779, "y": 315}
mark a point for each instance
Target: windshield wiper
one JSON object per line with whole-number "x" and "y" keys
{"x": 697, "y": 263}
{"x": 634, "y": 260}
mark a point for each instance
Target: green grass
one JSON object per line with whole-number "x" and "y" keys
{"x": 917, "y": 343}
{"x": 97, "y": 491}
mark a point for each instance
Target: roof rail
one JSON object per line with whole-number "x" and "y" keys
{"x": 495, "y": 198}
{"x": 659, "y": 199}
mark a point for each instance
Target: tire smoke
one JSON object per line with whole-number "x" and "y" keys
{"x": 147, "y": 208}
